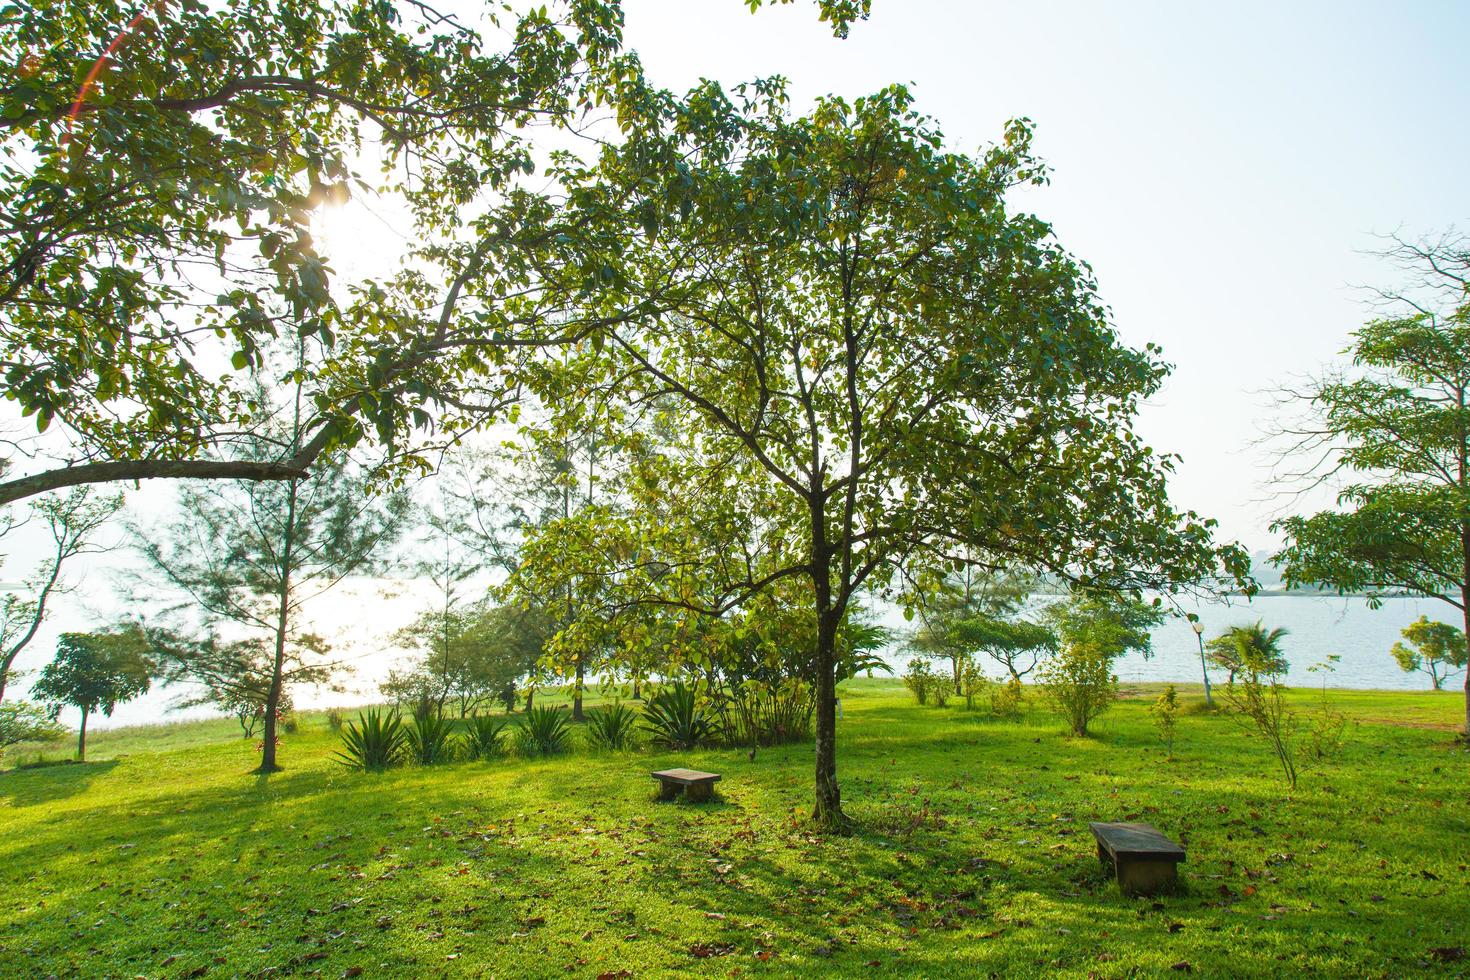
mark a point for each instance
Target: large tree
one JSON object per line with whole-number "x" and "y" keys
{"x": 874, "y": 364}
{"x": 161, "y": 164}
{"x": 1391, "y": 432}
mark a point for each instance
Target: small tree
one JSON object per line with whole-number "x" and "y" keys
{"x": 72, "y": 520}
{"x": 1165, "y": 712}
{"x": 1079, "y": 683}
{"x": 95, "y": 672}
{"x": 1249, "y": 647}
{"x": 1016, "y": 646}
{"x": 1436, "y": 649}
{"x": 1094, "y": 628}
{"x": 971, "y": 595}
{"x": 1258, "y": 700}
{"x": 22, "y": 721}
{"x": 920, "y": 679}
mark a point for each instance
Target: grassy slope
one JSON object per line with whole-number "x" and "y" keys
{"x": 972, "y": 857}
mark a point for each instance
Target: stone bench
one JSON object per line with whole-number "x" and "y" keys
{"x": 695, "y": 785}
{"x": 1144, "y": 860}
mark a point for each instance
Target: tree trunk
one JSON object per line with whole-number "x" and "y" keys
{"x": 530, "y": 694}
{"x": 1465, "y": 598}
{"x": 959, "y": 687}
{"x": 283, "y": 612}
{"x": 828, "y": 813}
{"x": 82, "y": 738}
{"x": 577, "y": 689}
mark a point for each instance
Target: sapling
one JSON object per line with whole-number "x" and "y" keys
{"x": 1165, "y": 712}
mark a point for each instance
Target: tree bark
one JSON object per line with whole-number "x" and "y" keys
{"x": 827, "y": 813}
{"x": 283, "y": 611}
{"x": 577, "y": 690}
{"x": 146, "y": 469}
{"x": 82, "y": 738}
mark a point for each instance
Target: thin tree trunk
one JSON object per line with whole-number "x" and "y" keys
{"x": 82, "y": 739}
{"x": 577, "y": 689}
{"x": 1465, "y": 600}
{"x": 828, "y": 811}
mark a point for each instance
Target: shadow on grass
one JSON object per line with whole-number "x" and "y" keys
{"x": 46, "y": 784}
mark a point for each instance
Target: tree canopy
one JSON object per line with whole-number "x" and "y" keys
{"x": 1392, "y": 432}
{"x": 874, "y": 362}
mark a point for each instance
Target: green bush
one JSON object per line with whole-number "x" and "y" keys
{"x": 920, "y": 679}
{"x": 485, "y": 737}
{"x": 674, "y": 718}
{"x": 1008, "y": 700}
{"x": 1165, "y": 713}
{"x": 1079, "y": 683}
{"x": 374, "y": 742}
{"x": 611, "y": 727}
{"x": 544, "y": 731}
{"x": 429, "y": 740}
{"x": 334, "y": 720}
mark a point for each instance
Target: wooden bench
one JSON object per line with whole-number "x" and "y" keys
{"x": 696, "y": 785}
{"x": 1144, "y": 860}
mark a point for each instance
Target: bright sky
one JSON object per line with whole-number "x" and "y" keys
{"x": 1222, "y": 166}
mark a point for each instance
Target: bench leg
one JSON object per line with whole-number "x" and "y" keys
{"x": 699, "y": 792}
{"x": 1147, "y": 877}
{"x": 667, "y": 790}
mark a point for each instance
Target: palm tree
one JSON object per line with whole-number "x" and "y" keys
{"x": 1251, "y": 649}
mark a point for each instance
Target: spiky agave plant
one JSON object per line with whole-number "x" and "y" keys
{"x": 429, "y": 739}
{"x": 612, "y": 727}
{"x": 485, "y": 737}
{"x": 544, "y": 731}
{"x": 374, "y": 742}
{"x": 675, "y": 718}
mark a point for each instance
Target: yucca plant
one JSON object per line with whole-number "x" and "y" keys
{"x": 544, "y": 731}
{"x": 485, "y": 737}
{"x": 674, "y": 718}
{"x": 429, "y": 739}
{"x": 374, "y": 742}
{"x": 611, "y": 727}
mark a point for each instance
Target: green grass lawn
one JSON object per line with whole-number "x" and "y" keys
{"x": 163, "y": 857}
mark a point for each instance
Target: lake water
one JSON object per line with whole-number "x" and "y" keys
{"x": 1318, "y": 627}
{"x": 361, "y": 616}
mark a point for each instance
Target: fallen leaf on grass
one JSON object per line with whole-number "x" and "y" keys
{"x": 706, "y": 950}
{"x": 1183, "y": 966}
{"x": 1448, "y": 954}
{"x": 615, "y": 975}
{"x": 352, "y": 971}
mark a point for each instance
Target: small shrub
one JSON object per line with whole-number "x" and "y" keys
{"x": 374, "y": 742}
{"x": 1165, "y": 712}
{"x": 973, "y": 683}
{"x": 289, "y": 723}
{"x": 611, "y": 727}
{"x": 1008, "y": 700}
{"x": 485, "y": 737}
{"x": 334, "y": 720}
{"x": 429, "y": 740}
{"x": 22, "y": 721}
{"x": 1079, "y": 683}
{"x": 673, "y": 717}
{"x": 544, "y": 731}
{"x": 920, "y": 680}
